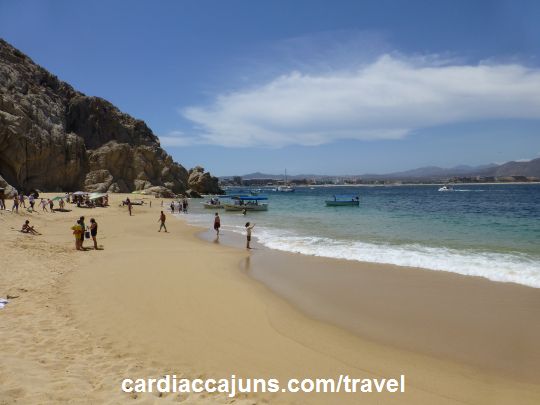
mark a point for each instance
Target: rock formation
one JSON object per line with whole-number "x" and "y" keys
{"x": 203, "y": 182}
{"x": 55, "y": 138}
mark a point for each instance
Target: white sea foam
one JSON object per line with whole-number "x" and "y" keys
{"x": 502, "y": 267}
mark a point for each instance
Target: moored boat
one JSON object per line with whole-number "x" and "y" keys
{"x": 343, "y": 201}
{"x": 247, "y": 203}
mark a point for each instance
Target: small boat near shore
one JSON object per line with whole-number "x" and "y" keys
{"x": 343, "y": 201}
{"x": 215, "y": 202}
{"x": 247, "y": 203}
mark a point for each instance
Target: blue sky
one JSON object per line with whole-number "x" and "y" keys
{"x": 329, "y": 87}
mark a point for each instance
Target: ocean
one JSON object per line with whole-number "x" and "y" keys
{"x": 492, "y": 231}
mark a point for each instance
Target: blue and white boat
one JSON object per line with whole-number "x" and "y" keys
{"x": 343, "y": 200}
{"x": 248, "y": 203}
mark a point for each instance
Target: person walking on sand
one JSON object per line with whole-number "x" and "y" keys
{"x": 31, "y": 200}
{"x": 93, "y": 231}
{"x": 51, "y": 205}
{"x": 77, "y": 231}
{"x": 15, "y": 207}
{"x": 162, "y": 219}
{"x": 248, "y": 234}
{"x": 21, "y": 200}
{"x": 217, "y": 223}
{"x": 128, "y": 201}
{"x": 43, "y": 204}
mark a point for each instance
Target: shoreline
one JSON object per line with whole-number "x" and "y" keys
{"x": 151, "y": 304}
{"x": 337, "y": 291}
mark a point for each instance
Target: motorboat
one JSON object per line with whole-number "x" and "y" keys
{"x": 447, "y": 187}
{"x": 248, "y": 203}
{"x": 343, "y": 201}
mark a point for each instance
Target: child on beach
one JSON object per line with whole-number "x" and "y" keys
{"x": 15, "y": 207}
{"x": 217, "y": 223}
{"x": 26, "y": 228}
{"x": 248, "y": 234}
{"x": 162, "y": 219}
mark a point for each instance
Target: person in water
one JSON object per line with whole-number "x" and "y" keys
{"x": 217, "y": 223}
{"x": 93, "y": 231}
{"x": 162, "y": 219}
{"x": 249, "y": 227}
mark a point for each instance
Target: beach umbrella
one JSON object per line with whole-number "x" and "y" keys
{"x": 79, "y": 193}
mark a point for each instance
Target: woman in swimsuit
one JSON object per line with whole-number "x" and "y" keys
{"x": 93, "y": 231}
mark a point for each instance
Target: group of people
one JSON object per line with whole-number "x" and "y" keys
{"x": 179, "y": 206}
{"x": 81, "y": 231}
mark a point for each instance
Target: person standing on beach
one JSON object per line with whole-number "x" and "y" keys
{"x": 217, "y": 223}
{"x": 21, "y": 200}
{"x": 77, "y": 231}
{"x": 129, "y": 205}
{"x": 31, "y": 200}
{"x": 83, "y": 227}
{"x": 15, "y": 207}
{"x": 162, "y": 219}
{"x": 248, "y": 234}
{"x": 51, "y": 205}
{"x": 172, "y": 207}
{"x": 93, "y": 231}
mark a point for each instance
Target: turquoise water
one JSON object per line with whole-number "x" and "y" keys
{"x": 484, "y": 230}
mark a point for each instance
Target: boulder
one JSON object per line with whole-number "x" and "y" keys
{"x": 9, "y": 191}
{"x": 203, "y": 182}
{"x": 192, "y": 194}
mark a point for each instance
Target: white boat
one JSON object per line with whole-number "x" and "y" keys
{"x": 447, "y": 187}
{"x": 215, "y": 202}
{"x": 247, "y": 203}
{"x": 286, "y": 188}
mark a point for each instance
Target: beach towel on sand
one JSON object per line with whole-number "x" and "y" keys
{"x": 3, "y": 302}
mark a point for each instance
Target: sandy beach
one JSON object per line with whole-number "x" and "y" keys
{"x": 151, "y": 303}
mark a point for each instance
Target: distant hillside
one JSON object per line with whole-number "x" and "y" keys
{"x": 527, "y": 169}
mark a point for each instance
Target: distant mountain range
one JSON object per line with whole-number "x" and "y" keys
{"x": 529, "y": 168}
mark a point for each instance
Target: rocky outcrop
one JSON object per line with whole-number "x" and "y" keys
{"x": 55, "y": 138}
{"x": 6, "y": 189}
{"x": 203, "y": 182}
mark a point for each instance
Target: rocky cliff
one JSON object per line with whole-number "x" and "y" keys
{"x": 55, "y": 138}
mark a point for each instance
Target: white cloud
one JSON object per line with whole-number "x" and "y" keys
{"x": 178, "y": 138}
{"x": 386, "y": 99}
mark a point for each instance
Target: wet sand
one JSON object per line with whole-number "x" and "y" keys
{"x": 490, "y": 325}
